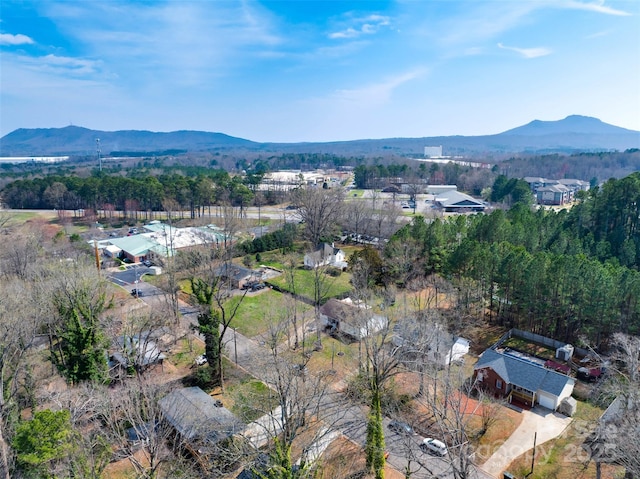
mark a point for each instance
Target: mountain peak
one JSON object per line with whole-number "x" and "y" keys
{"x": 569, "y": 125}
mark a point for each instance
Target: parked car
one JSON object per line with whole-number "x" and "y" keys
{"x": 434, "y": 446}
{"x": 136, "y": 292}
{"x": 202, "y": 359}
{"x": 257, "y": 286}
{"x": 147, "y": 263}
{"x": 400, "y": 427}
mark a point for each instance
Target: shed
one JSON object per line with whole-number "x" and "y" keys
{"x": 564, "y": 353}
{"x": 568, "y": 406}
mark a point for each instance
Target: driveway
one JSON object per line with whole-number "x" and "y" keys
{"x": 546, "y": 423}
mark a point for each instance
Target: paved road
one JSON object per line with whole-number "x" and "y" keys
{"x": 131, "y": 276}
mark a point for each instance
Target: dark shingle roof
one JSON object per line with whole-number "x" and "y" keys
{"x": 195, "y": 415}
{"x": 522, "y": 373}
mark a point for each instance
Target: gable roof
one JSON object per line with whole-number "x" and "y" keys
{"x": 136, "y": 245}
{"x": 195, "y": 415}
{"x": 457, "y": 199}
{"x": 138, "y": 348}
{"x": 336, "y": 309}
{"x": 525, "y": 374}
{"x": 233, "y": 271}
{"x": 322, "y": 252}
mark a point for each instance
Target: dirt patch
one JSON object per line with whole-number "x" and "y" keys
{"x": 482, "y": 336}
{"x": 123, "y": 469}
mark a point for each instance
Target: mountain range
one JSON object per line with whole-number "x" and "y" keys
{"x": 572, "y": 134}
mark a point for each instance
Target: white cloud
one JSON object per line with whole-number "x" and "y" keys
{"x": 527, "y": 52}
{"x": 377, "y": 93}
{"x": 57, "y": 65}
{"x": 178, "y": 43}
{"x": 361, "y": 26}
{"x": 19, "y": 39}
{"x": 602, "y": 33}
{"x": 597, "y": 7}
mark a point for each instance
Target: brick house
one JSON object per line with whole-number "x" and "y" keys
{"x": 521, "y": 380}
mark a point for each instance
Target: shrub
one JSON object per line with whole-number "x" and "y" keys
{"x": 333, "y": 271}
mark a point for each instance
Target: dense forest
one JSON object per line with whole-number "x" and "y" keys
{"x": 568, "y": 274}
{"x": 584, "y": 166}
{"x": 136, "y": 192}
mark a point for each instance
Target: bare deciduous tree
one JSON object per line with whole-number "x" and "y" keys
{"x": 305, "y": 411}
{"x": 452, "y": 410}
{"x": 320, "y": 210}
{"x": 617, "y": 435}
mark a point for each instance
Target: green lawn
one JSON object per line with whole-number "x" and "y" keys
{"x": 255, "y": 312}
{"x": 305, "y": 279}
{"x": 251, "y": 399}
{"x": 23, "y": 217}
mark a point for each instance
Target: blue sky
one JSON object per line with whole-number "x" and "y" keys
{"x": 317, "y": 70}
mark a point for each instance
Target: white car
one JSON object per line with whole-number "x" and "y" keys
{"x": 200, "y": 360}
{"x": 435, "y": 446}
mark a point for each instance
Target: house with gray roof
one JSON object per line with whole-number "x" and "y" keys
{"x": 520, "y": 380}
{"x": 200, "y": 421}
{"x": 236, "y": 275}
{"x": 355, "y": 321}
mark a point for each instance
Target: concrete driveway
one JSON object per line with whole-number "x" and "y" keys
{"x": 546, "y": 423}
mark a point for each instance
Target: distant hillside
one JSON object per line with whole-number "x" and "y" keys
{"x": 75, "y": 140}
{"x": 574, "y": 124}
{"x": 572, "y": 134}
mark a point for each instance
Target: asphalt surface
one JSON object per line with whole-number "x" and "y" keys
{"x": 129, "y": 277}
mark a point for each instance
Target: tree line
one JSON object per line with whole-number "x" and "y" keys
{"x": 566, "y": 274}
{"x": 139, "y": 192}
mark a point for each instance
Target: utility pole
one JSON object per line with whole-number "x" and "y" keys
{"x": 96, "y": 255}
{"x": 98, "y": 150}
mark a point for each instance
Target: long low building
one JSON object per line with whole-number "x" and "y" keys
{"x": 161, "y": 240}
{"x": 453, "y": 201}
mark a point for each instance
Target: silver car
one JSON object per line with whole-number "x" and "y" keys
{"x": 435, "y": 446}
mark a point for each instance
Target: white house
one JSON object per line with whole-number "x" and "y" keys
{"x": 435, "y": 344}
{"x": 325, "y": 255}
{"x": 345, "y": 318}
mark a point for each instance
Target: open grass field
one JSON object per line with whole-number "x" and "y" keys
{"x": 356, "y": 193}
{"x": 257, "y": 310}
{"x": 305, "y": 279}
{"x": 20, "y": 217}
